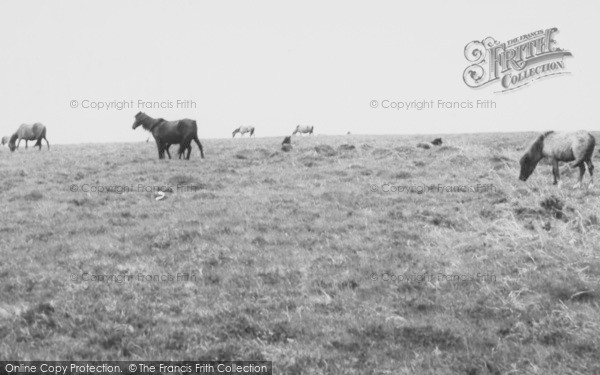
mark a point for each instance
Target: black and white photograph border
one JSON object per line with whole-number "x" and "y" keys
{"x": 299, "y": 187}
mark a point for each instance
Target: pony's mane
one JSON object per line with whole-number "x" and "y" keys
{"x": 148, "y": 122}
{"x": 13, "y": 138}
{"x": 538, "y": 145}
{"x": 544, "y": 135}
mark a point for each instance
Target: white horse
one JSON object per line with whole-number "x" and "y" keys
{"x": 243, "y": 130}
{"x": 304, "y": 129}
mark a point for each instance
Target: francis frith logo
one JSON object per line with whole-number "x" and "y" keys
{"x": 514, "y": 63}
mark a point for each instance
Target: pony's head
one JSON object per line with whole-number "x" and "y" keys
{"x": 531, "y": 158}
{"x": 139, "y": 119}
{"x": 11, "y": 143}
{"x": 235, "y": 132}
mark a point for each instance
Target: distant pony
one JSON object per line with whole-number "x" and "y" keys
{"x": 28, "y": 132}
{"x": 243, "y": 130}
{"x": 4, "y": 140}
{"x": 576, "y": 147}
{"x": 304, "y": 129}
{"x": 428, "y": 145}
{"x": 167, "y": 133}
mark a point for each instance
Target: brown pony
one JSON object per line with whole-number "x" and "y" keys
{"x": 576, "y": 147}
{"x": 167, "y": 133}
{"x": 29, "y": 132}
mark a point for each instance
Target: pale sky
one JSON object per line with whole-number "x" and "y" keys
{"x": 274, "y": 64}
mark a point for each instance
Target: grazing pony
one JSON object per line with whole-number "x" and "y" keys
{"x": 303, "y": 129}
{"x": 243, "y": 130}
{"x": 29, "y": 132}
{"x": 576, "y": 147}
{"x": 427, "y": 145}
{"x": 166, "y": 133}
{"x": 4, "y": 140}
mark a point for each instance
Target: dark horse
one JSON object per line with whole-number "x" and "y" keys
{"x": 29, "y": 132}
{"x": 576, "y": 147}
{"x": 166, "y": 133}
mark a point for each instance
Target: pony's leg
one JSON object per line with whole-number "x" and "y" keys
{"x": 591, "y": 171}
{"x": 555, "y": 171}
{"x": 167, "y": 150}
{"x": 19, "y": 142}
{"x": 189, "y": 151}
{"x": 182, "y": 149}
{"x": 47, "y": 143}
{"x": 161, "y": 153}
{"x": 581, "y": 173}
{"x": 26, "y": 144}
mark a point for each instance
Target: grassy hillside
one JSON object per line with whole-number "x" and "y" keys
{"x": 305, "y": 258}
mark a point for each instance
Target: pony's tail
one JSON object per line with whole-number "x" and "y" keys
{"x": 199, "y": 145}
{"x": 39, "y": 140}
{"x": 587, "y": 155}
{"x": 578, "y": 161}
